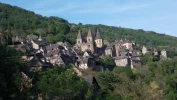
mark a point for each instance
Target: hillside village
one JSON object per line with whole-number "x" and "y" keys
{"x": 51, "y": 58}
{"x": 84, "y": 54}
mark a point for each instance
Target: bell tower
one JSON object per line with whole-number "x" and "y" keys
{"x": 90, "y": 44}
{"x": 79, "y": 38}
{"x": 98, "y": 39}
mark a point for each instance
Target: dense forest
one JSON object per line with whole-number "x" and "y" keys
{"x": 18, "y": 21}
{"x": 156, "y": 80}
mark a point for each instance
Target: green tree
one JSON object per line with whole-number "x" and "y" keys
{"x": 61, "y": 83}
{"x": 10, "y": 69}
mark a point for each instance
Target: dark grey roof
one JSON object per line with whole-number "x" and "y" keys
{"x": 78, "y": 52}
{"x": 165, "y": 50}
{"x": 51, "y": 53}
{"x": 89, "y": 33}
{"x": 121, "y": 57}
{"x": 124, "y": 53}
{"x": 110, "y": 46}
{"x": 126, "y": 41}
{"x": 148, "y": 47}
{"x": 79, "y": 36}
{"x": 134, "y": 54}
{"x": 51, "y": 47}
{"x": 98, "y": 36}
{"x": 35, "y": 62}
{"x": 66, "y": 58}
{"x": 85, "y": 60}
{"x": 42, "y": 42}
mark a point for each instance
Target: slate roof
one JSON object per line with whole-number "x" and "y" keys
{"x": 126, "y": 41}
{"x": 134, "y": 54}
{"x": 51, "y": 53}
{"x": 66, "y": 59}
{"x": 109, "y": 46}
{"x": 120, "y": 57}
{"x": 84, "y": 60}
{"x": 36, "y": 62}
{"x": 124, "y": 53}
{"x": 79, "y": 36}
{"x": 89, "y": 33}
{"x": 51, "y": 47}
{"x": 42, "y": 42}
{"x": 148, "y": 47}
{"x": 98, "y": 36}
{"x": 165, "y": 50}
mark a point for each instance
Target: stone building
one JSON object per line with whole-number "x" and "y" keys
{"x": 146, "y": 49}
{"x": 110, "y": 50}
{"x": 92, "y": 42}
{"x": 122, "y": 61}
{"x": 164, "y": 53}
{"x": 86, "y": 63}
{"x": 37, "y": 44}
{"x": 98, "y": 39}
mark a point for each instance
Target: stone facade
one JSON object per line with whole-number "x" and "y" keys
{"x": 146, "y": 49}
{"x": 122, "y": 61}
{"x": 91, "y": 43}
{"x": 164, "y": 53}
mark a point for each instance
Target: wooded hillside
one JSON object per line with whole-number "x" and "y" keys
{"x": 18, "y": 21}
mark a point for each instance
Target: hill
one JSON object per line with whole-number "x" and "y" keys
{"x": 17, "y": 21}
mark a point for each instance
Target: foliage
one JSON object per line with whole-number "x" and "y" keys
{"x": 107, "y": 63}
{"x": 10, "y": 68}
{"x": 62, "y": 83}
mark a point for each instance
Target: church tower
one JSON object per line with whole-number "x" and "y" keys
{"x": 89, "y": 36}
{"x": 98, "y": 39}
{"x": 79, "y": 38}
{"x": 90, "y": 43}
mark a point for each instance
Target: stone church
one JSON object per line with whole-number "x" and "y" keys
{"x": 92, "y": 43}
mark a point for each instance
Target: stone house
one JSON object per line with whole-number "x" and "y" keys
{"x": 87, "y": 54}
{"x": 122, "y": 61}
{"x": 86, "y": 62}
{"x": 127, "y": 44}
{"x": 52, "y": 47}
{"x": 157, "y": 52}
{"x": 110, "y": 50}
{"x": 146, "y": 49}
{"x": 37, "y": 44}
{"x": 164, "y": 53}
{"x": 37, "y": 64}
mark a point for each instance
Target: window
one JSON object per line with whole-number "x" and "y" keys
{"x": 88, "y": 39}
{"x": 78, "y": 41}
{"x": 88, "y": 46}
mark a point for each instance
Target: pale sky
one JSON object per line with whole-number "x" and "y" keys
{"x": 150, "y": 15}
